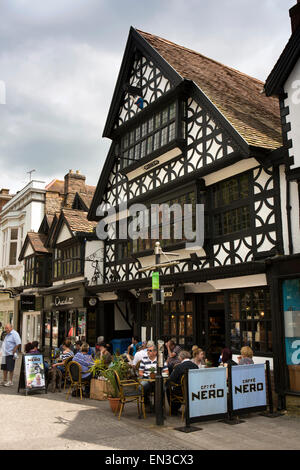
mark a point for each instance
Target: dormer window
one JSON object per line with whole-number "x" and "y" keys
{"x": 154, "y": 134}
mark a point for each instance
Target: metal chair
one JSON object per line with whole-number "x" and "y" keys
{"x": 130, "y": 390}
{"x": 177, "y": 395}
{"x": 75, "y": 374}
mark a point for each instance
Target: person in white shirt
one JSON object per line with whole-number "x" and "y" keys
{"x": 11, "y": 344}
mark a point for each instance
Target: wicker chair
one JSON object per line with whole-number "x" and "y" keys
{"x": 177, "y": 395}
{"x": 130, "y": 390}
{"x": 75, "y": 374}
{"x": 67, "y": 374}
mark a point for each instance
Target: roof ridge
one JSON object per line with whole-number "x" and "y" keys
{"x": 199, "y": 54}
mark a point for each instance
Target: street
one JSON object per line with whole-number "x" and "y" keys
{"x": 50, "y": 422}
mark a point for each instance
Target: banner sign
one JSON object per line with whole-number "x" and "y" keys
{"x": 34, "y": 371}
{"x": 248, "y": 386}
{"x": 207, "y": 392}
{"x": 155, "y": 280}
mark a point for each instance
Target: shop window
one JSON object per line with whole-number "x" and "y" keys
{"x": 178, "y": 321}
{"x": 250, "y": 320}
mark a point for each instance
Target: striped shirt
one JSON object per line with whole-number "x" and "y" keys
{"x": 146, "y": 365}
{"x": 65, "y": 355}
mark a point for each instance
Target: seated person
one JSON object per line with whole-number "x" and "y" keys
{"x": 135, "y": 345}
{"x": 35, "y": 350}
{"x": 146, "y": 365}
{"x": 246, "y": 356}
{"x": 103, "y": 353}
{"x": 27, "y": 348}
{"x": 86, "y": 361}
{"x": 175, "y": 378}
{"x": 65, "y": 355}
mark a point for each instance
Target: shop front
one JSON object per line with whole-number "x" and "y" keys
{"x": 31, "y": 308}
{"x": 232, "y": 318}
{"x": 68, "y": 314}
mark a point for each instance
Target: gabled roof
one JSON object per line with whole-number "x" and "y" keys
{"x": 236, "y": 95}
{"x": 284, "y": 65}
{"x": 37, "y": 242}
{"x": 77, "y": 221}
{"x": 82, "y": 201}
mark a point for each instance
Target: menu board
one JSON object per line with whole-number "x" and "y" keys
{"x": 32, "y": 375}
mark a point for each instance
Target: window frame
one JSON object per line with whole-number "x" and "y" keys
{"x": 69, "y": 263}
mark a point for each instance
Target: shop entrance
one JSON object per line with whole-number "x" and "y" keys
{"x": 215, "y": 327}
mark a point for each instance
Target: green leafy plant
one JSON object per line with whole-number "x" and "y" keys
{"x": 117, "y": 365}
{"x": 97, "y": 368}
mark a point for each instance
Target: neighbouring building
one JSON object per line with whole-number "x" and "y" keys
{"x": 60, "y": 259}
{"x": 284, "y": 83}
{"x": 187, "y": 129}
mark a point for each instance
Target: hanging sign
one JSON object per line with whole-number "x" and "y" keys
{"x": 32, "y": 375}
{"x": 155, "y": 280}
{"x": 207, "y": 393}
{"x": 248, "y": 386}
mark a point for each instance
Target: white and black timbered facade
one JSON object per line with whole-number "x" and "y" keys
{"x": 188, "y": 130}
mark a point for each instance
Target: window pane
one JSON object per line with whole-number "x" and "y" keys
{"x": 14, "y": 234}
{"x": 235, "y": 335}
{"x": 13, "y": 253}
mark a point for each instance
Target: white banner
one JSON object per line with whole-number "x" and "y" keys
{"x": 248, "y": 386}
{"x": 207, "y": 391}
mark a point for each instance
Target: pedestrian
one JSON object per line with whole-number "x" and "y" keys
{"x": 10, "y": 346}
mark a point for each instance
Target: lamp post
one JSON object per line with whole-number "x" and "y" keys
{"x": 156, "y": 294}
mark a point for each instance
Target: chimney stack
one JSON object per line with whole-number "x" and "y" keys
{"x": 74, "y": 183}
{"x": 295, "y": 16}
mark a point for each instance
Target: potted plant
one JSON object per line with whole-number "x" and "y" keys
{"x": 99, "y": 384}
{"x": 152, "y": 373}
{"x": 121, "y": 367}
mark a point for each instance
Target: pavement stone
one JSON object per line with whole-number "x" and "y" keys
{"x": 49, "y": 421}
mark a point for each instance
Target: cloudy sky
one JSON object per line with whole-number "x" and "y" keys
{"x": 59, "y": 61}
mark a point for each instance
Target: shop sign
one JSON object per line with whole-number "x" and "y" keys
{"x": 27, "y": 302}
{"x": 248, "y": 386}
{"x": 169, "y": 294}
{"x": 155, "y": 280}
{"x": 207, "y": 392}
{"x": 61, "y": 301}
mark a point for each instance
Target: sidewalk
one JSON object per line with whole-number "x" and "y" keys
{"x": 49, "y": 421}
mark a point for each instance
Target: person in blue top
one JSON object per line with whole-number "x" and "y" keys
{"x": 134, "y": 347}
{"x": 86, "y": 361}
{"x": 11, "y": 344}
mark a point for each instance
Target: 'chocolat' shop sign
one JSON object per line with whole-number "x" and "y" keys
{"x": 61, "y": 301}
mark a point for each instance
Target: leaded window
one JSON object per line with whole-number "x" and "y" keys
{"x": 230, "y": 205}
{"x": 67, "y": 261}
{"x": 152, "y": 134}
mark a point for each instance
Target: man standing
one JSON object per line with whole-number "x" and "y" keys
{"x": 10, "y": 345}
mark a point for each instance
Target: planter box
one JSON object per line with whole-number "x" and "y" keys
{"x": 99, "y": 389}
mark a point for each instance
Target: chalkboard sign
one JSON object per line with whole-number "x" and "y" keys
{"x": 32, "y": 374}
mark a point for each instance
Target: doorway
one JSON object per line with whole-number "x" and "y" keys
{"x": 215, "y": 327}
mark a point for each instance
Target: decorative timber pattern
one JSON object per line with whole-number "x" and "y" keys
{"x": 148, "y": 77}
{"x": 206, "y": 143}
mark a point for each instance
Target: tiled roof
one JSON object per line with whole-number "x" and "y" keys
{"x": 56, "y": 186}
{"x": 37, "y": 241}
{"x": 238, "y": 96}
{"x": 77, "y": 220}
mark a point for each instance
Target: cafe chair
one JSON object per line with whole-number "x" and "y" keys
{"x": 177, "y": 395}
{"x": 130, "y": 390}
{"x": 67, "y": 373}
{"x": 75, "y": 375}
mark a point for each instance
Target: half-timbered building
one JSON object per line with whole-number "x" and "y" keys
{"x": 186, "y": 129}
